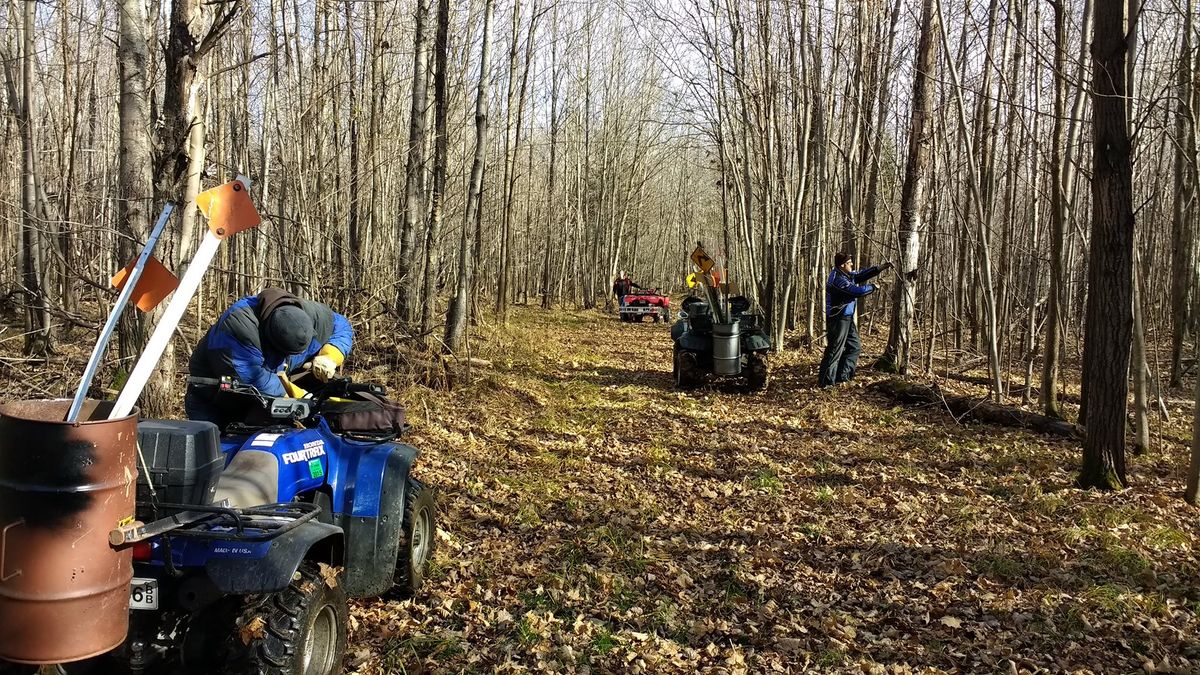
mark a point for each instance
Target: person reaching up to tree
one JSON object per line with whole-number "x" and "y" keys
{"x": 843, "y": 288}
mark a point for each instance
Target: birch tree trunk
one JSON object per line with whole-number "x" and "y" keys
{"x": 896, "y": 355}
{"x": 135, "y": 188}
{"x": 37, "y": 318}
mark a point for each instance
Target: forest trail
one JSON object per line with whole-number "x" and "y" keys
{"x": 594, "y": 518}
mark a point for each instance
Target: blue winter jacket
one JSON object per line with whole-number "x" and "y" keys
{"x": 234, "y": 346}
{"x": 842, "y": 290}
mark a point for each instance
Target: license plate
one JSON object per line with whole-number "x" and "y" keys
{"x": 143, "y": 593}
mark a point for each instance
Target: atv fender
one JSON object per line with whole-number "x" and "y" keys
{"x": 694, "y": 342}
{"x": 371, "y": 512}
{"x": 274, "y": 571}
{"x": 755, "y": 343}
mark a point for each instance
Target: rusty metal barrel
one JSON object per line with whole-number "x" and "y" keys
{"x": 64, "y": 592}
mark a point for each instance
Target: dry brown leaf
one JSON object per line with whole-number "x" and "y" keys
{"x": 254, "y": 629}
{"x": 329, "y": 574}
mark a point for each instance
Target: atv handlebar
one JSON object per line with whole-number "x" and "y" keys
{"x": 285, "y": 407}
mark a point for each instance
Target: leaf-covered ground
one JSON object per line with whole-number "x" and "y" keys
{"x": 595, "y": 519}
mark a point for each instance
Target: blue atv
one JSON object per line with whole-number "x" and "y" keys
{"x": 249, "y": 540}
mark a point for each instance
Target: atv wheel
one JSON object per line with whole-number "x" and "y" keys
{"x": 420, "y": 531}
{"x": 757, "y": 374}
{"x": 687, "y": 369}
{"x": 302, "y": 629}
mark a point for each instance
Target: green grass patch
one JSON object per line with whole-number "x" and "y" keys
{"x": 812, "y": 531}
{"x": 1163, "y": 538}
{"x": 830, "y": 658}
{"x": 1119, "y": 560}
{"x": 624, "y": 546}
{"x": 603, "y": 642}
{"x": 765, "y": 478}
{"x": 526, "y": 634}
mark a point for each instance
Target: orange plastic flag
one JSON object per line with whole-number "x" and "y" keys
{"x": 155, "y": 284}
{"x": 228, "y": 208}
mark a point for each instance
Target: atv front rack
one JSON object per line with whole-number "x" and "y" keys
{"x": 259, "y": 523}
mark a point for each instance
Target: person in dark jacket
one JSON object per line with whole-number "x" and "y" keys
{"x": 622, "y": 287}
{"x": 261, "y": 339}
{"x": 843, "y": 288}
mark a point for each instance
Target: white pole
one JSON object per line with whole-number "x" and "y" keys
{"x": 166, "y": 326}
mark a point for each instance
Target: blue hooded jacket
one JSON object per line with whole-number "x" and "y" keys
{"x": 842, "y": 290}
{"x": 235, "y": 346}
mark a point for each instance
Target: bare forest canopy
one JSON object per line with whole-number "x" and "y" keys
{"x": 409, "y": 154}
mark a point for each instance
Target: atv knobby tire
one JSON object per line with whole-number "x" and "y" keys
{"x": 302, "y": 629}
{"x": 418, "y": 537}
{"x": 757, "y": 373}
{"x": 688, "y": 373}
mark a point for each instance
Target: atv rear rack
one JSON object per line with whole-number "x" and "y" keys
{"x": 259, "y": 523}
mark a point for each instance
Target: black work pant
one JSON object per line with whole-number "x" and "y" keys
{"x": 199, "y": 404}
{"x": 841, "y": 350}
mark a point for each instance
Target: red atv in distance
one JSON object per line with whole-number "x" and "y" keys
{"x": 646, "y": 302}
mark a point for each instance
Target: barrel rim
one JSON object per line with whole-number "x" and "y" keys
{"x": 66, "y": 402}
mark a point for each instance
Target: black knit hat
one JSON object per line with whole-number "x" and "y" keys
{"x": 289, "y": 329}
{"x": 840, "y": 258}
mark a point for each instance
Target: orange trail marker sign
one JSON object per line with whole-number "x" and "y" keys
{"x": 155, "y": 284}
{"x": 229, "y": 211}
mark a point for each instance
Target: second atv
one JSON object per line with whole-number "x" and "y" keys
{"x": 706, "y": 347}
{"x": 649, "y": 302}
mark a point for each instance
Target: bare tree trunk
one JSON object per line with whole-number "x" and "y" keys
{"x": 456, "y": 315}
{"x": 1139, "y": 370}
{"x": 135, "y": 188}
{"x": 1183, "y": 229}
{"x": 551, "y": 172}
{"x": 896, "y": 355}
{"x": 1108, "y": 322}
{"x": 414, "y": 181}
{"x": 441, "y": 52}
{"x": 37, "y": 317}
{"x": 982, "y": 214}
{"x": 1192, "y": 493}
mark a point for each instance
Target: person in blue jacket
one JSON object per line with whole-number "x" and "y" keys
{"x": 260, "y": 340}
{"x": 843, "y": 288}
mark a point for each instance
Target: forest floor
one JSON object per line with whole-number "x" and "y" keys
{"x": 595, "y": 519}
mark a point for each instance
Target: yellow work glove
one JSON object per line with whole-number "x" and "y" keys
{"x": 326, "y": 363}
{"x": 291, "y": 389}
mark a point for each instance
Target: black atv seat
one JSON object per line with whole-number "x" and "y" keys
{"x": 695, "y": 306}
